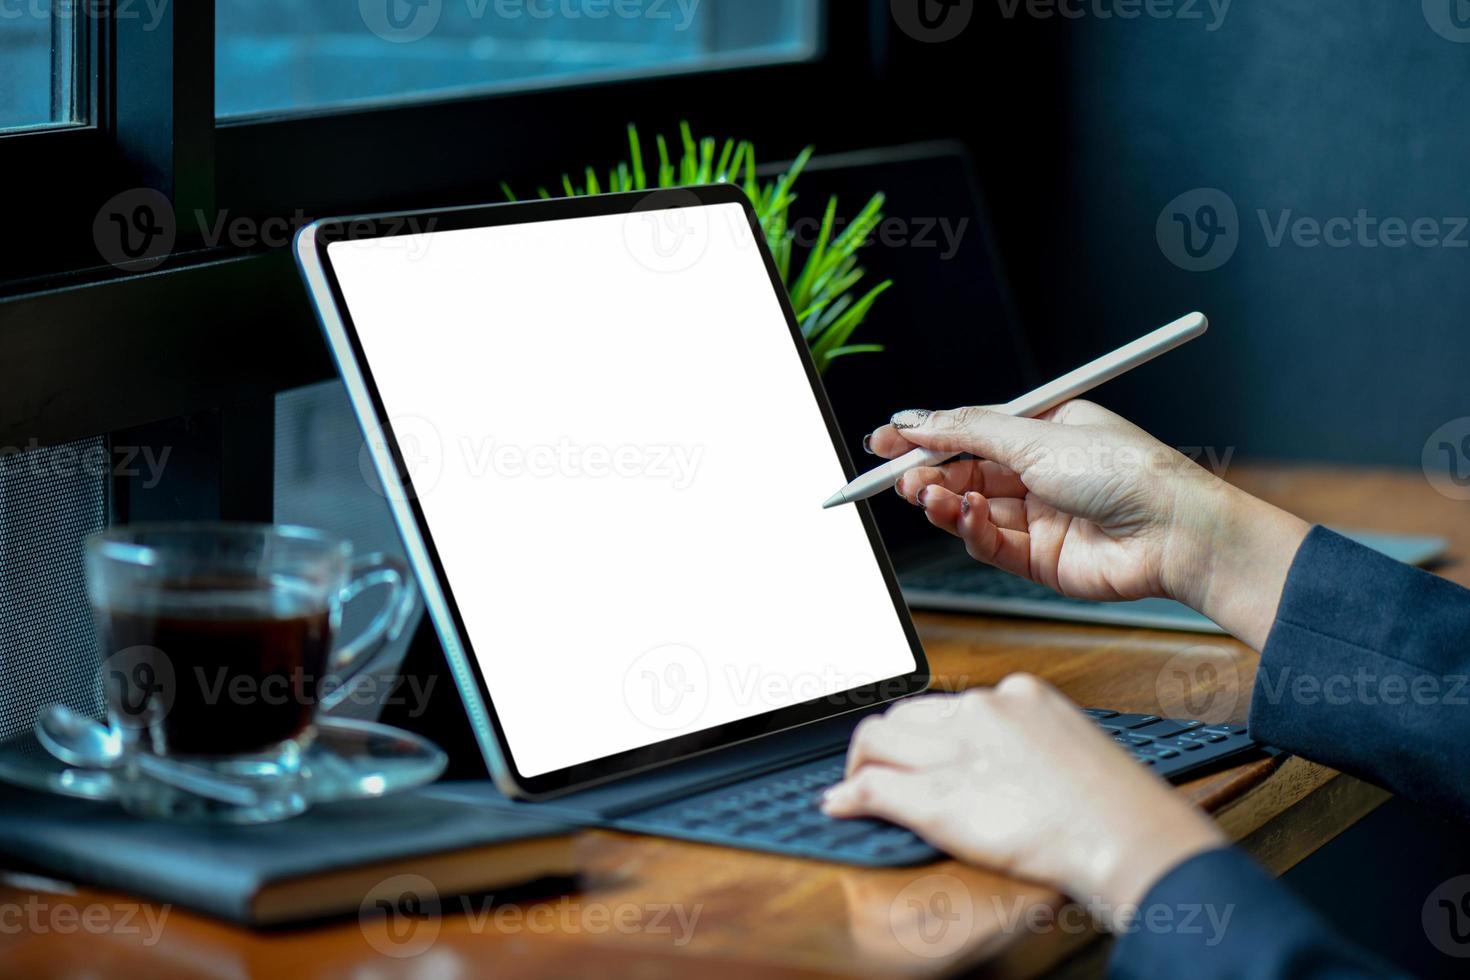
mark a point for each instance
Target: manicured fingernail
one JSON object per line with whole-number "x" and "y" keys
{"x": 910, "y": 418}
{"x": 965, "y": 505}
{"x": 924, "y": 497}
{"x": 868, "y": 445}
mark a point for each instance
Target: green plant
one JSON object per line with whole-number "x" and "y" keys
{"x": 828, "y": 293}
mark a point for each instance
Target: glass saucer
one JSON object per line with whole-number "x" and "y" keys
{"x": 348, "y": 760}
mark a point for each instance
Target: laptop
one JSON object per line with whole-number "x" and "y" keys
{"x": 605, "y": 445}
{"x": 951, "y": 337}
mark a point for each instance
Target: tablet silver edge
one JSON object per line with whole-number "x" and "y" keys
{"x": 434, "y": 601}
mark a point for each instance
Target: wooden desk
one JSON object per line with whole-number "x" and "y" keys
{"x": 744, "y": 913}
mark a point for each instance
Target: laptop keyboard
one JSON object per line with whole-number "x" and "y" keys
{"x": 975, "y": 577}
{"x": 960, "y": 584}
{"x": 781, "y": 811}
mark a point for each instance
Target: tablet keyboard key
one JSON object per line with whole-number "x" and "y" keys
{"x": 781, "y": 811}
{"x": 1166, "y": 728}
{"x": 1182, "y": 743}
{"x": 1127, "y": 721}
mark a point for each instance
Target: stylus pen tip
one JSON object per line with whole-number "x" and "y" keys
{"x": 836, "y": 500}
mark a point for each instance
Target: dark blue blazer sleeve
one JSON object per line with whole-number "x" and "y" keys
{"x": 1218, "y": 915}
{"x": 1366, "y": 670}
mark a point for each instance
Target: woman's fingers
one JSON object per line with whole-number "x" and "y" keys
{"x": 888, "y": 443}
{"x": 978, "y": 431}
{"x": 878, "y": 791}
{"x": 888, "y": 742}
{"x": 981, "y": 475}
{"x": 1005, "y": 544}
{"x": 1008, "y": 513}
{"x": 1017, "y": 443}
{"x": 926, "y": 710}
{"x": 995, "y": 532}
{"x": 940, "y": 505}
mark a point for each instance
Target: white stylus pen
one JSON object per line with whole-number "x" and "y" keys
{"x": 1071, "y": 385}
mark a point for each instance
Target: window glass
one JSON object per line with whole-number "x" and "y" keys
{"x": 285, "y": 55}
{"x": 39, "y": 41}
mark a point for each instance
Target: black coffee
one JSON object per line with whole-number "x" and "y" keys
{"x": 213, "y": 676}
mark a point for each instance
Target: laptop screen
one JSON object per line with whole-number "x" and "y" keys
{"x": 947, "y": 327}
{"x": 620, "y": 460}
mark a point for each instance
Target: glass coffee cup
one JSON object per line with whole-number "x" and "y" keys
{"x": 219, "y": 649}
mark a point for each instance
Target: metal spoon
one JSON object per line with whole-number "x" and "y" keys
{"x": 79, "y": 741}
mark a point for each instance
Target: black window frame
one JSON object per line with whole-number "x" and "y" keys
{"x": 152, "y": 101}
{"x": 191, "y": 355}
{"x": 214, "y": 332}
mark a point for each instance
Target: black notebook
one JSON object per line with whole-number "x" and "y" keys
{"x": 325, "y": 862}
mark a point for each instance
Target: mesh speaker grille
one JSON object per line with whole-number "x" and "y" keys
{"x": 50, "y": 500}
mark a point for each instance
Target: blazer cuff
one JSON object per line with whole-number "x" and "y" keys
{"x": 1219, "y": 915}
{"x": 1365, "y": 669}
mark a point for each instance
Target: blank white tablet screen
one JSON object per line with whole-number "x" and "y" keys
{"x": 621, "y": 464}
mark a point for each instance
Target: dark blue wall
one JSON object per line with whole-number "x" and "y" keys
{"x": 1322, "y": 109}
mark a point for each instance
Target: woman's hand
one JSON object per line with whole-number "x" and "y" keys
{"x": 1018, "y": 779}
{"x": 1084, "y": 502}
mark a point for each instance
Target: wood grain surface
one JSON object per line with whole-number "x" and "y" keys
{"x": 648, "y": 908}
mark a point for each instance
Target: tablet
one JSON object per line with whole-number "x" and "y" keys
{"x": 605, "y": 443}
